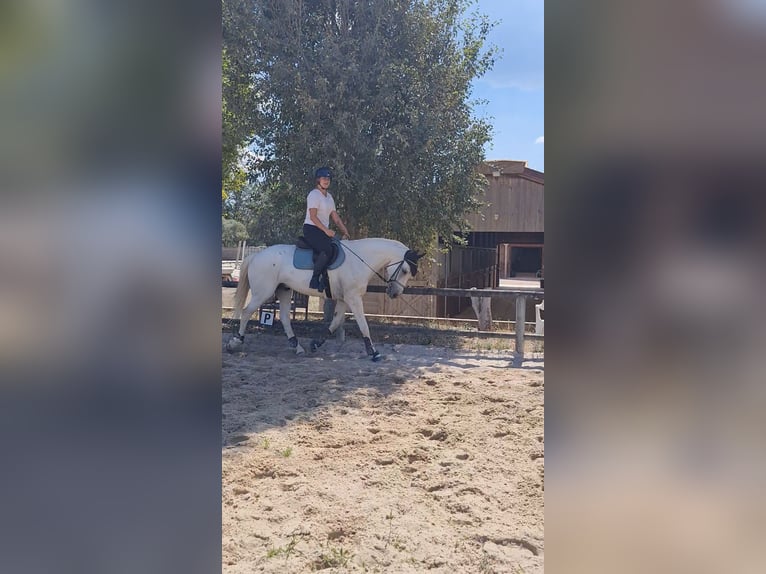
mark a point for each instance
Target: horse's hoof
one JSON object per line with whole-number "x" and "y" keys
{"x": 376, "y": 356}
{"x": 299, "y": 350}
{"x": 234, "y": 345}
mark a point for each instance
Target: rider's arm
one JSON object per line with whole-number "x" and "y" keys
{"x": 339, "y": 222}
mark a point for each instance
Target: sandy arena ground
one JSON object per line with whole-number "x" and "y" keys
{"x": 430, "y": 460}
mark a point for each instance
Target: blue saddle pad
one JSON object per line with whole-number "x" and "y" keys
{"x": 304, "y": 258}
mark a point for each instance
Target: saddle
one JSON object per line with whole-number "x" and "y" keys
{"x": 304, "y": 255}
{"x": 304, "y": 258}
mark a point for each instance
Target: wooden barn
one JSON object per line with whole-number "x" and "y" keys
{"x": 513, "y": 218}
{"x": 506, "y": 241}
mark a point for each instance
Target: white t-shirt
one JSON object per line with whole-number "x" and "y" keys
{"x": 325, "y": 205}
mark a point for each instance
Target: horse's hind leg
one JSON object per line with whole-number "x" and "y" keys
{"x": 285, "y": 295}
{"x": 339, "y": 316}
{"x": 338, "y": 319}
{"x": 257, "y": 298}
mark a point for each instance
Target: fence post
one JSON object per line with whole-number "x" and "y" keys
{"x": 482, "y": 306}
{"x": 521, "y": 312}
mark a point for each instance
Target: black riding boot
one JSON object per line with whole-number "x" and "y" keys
{"x": 319, "y": 266}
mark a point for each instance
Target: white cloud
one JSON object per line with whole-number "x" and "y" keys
{"x": 541, "y": 139}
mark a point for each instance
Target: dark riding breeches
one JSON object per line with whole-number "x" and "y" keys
{"x": 317, "y": 239}
{"x": 323, "y": 246}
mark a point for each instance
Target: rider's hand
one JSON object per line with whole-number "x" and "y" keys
{"x": 333, "y": 233}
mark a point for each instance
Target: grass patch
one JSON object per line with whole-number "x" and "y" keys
{"x": 332, "y": 557}
{"x": 288, "y": 550}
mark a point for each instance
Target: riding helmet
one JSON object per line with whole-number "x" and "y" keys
{"x": 323, "y": 172}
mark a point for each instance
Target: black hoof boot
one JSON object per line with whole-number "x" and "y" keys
{"x": 371, "y": 350}
{"x": 315, "y": 344}
{"x": 293, "y": 342}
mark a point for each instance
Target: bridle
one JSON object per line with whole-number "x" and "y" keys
{"x": 413, "y": 267}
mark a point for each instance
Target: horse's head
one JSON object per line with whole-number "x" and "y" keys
{"x": 399, "y": 273}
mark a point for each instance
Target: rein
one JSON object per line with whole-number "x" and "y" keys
{"x": 393, "y": 276}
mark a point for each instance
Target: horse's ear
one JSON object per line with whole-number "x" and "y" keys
{"x": 419, "y": 255}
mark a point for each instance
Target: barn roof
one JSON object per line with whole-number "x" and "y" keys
{"x": 512, "y": 167}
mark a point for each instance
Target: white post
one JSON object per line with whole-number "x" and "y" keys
{"x": 482, "y": 306}
{"x": 521, "y": 313}
{"x": 244, "y": 248}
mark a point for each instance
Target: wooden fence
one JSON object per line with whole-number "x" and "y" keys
{"x": 463, "y": 268}
{"x": 519, "y": 295}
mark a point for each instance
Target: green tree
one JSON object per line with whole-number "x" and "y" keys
{"x": 241, "y": 117}
{"x": 379, "y": 91}
{"x": 232, "y": 232}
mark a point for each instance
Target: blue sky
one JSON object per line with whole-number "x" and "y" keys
{"x": 514, "y": 88}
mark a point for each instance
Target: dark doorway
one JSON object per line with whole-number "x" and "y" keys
{"x": 526, "y": 260}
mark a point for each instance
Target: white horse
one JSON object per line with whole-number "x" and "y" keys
{"x": 271, "y": 273}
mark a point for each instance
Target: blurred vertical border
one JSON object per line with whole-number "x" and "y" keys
{"x": 655, "y": 326}
{"x": 110, "y": 154}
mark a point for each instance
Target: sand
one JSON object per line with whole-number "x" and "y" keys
{"x": 430, "y": 460}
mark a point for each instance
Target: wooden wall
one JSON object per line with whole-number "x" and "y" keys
{"x": 515, "y": 204}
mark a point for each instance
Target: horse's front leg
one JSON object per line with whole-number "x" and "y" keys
{"x": 339, "y": 316}
{"x": 285, "y": 297}
{"x": 357, "y": 308}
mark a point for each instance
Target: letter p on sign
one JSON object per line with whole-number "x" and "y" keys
{"x": 267, "y": 317}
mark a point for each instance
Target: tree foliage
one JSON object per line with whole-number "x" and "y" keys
{"x": 232, "y": 232}
{"x": 241, "y": 108}
{"x": 376, "y": 89}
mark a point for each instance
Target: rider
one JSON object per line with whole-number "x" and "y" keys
{"x": 320, "y": 207}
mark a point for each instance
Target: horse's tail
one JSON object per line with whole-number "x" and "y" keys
{"x": 240, "y": 296}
